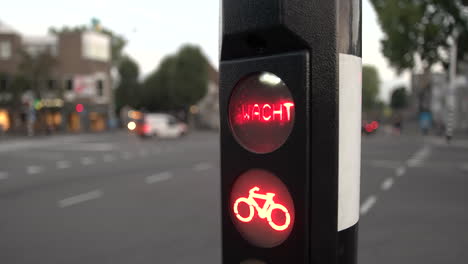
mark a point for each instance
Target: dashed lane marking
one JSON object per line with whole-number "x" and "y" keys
{"x": 86, "y": 161}
{"x": 419, "y": 157}
{"x": 77, "y": 199}
{"x": 202, "y": 166}
{"x": 63, "y": 164}
{"x": 33, "y": 169}
{"x": 368, "y": 204}
{"x": 387, "y": 184}
{"x": 163, "y": 176}
{"x": 400, "y": 171}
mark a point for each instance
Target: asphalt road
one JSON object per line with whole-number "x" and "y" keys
{"x": 112, "y": 198}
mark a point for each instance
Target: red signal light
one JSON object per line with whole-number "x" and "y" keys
{"x": 266, "y": 112}
{"x": 374, "y": 125}
{"x": 261, "y": 112}
{"x": 79, "y": 108}
{"x": 262, "y": 208}
{"x": 263, "y": 212}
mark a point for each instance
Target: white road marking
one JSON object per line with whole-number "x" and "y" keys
{"x": 412, "y": 163}
{"x": 202, "y": 166}
{"x": 33, "y": 169}
{"x": 126, "y": 155}
{"x": 86, "y": 161}
{"x": 419, "y": 157}
{"x": 400, "y": 171}
{"x": 3, "y": 175}
{"x": 108, "y": 158}
{"x": 80, "y": 198}
{"x": 387, "y": 184}
{"x": 163, "y": 176}
{"x": 368, "y": 204}
{"x": 63, "y": 164}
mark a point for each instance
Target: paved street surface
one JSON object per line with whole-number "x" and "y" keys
{"x": 113, "y": 198}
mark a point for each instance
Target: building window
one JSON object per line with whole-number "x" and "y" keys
{"x": 69, "y": 85}
{"x": 3, "y": 85}
{"x": 51, "y": 84}
{"x": 100, "y": 88}
{"x": 5, "y": 50}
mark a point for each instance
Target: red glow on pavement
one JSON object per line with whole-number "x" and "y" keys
{"x": 79, "y": 108}
{"x": 264, "y": 212}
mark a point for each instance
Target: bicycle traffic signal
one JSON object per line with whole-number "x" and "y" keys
{"x": 290, "y": 95}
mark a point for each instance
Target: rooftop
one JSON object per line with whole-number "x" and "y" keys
{"x": 4, "y": 28}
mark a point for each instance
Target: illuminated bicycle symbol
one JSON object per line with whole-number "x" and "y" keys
{"x": 264, "y": 212}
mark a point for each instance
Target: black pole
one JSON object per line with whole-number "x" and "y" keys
{"x": 313, "y": 48}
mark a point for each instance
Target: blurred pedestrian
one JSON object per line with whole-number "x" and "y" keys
{"x": 425, "y": 122}
{"x": 398, "y": 125}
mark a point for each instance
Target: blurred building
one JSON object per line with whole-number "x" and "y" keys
{"x": 207, "y": 110}
{"x": 461, "y": 104}
{"x": 76, "y": 95}
{"x": 438, "y": 93}
{"x": 431, "y": 95}
{"x": 10, "y": 47}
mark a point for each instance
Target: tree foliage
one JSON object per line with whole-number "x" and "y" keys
{"x": 180, "y": 81}
{"x": 370, "y": 87}
{"x": 419, "y": 28}
{"x": 128, "y": 89}
{"x": 399, "y": 98}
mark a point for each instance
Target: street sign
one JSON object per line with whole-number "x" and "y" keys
{"x": 290, "y": 116}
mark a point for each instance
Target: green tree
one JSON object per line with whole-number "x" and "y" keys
{"x": 191, "y": 80}
{"x": 418, "y": 29}
{"x": 370, "y": 87}
{"x": 128, "y": 89}
{"x": 399, "y": 98}
{"x": 180, "y": 81}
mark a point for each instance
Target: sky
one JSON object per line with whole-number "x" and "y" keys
{"x": 156, "y": 28}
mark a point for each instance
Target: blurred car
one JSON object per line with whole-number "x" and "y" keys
{"x": 369, "y": 128}
{"x": 161, "y": 125}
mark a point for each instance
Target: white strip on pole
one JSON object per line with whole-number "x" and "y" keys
{"x": 349, "y": 168}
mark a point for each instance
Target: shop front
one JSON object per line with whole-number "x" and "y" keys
{"x": 85, "y": 117}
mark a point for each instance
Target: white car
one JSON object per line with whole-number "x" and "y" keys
{"x": 161, "y": 125}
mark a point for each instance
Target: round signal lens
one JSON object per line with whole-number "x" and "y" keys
{"x": 262, "y": 208}
{"x": 261, "y": 112}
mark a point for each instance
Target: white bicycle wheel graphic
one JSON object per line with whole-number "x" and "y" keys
{"x": 251, "y": 210}
{"x": 278, "y": 227}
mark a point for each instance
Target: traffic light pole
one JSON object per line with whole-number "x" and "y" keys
{"x": 290, "y": 116}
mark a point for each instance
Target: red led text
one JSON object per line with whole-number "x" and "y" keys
{"x": 267, "y": 112}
